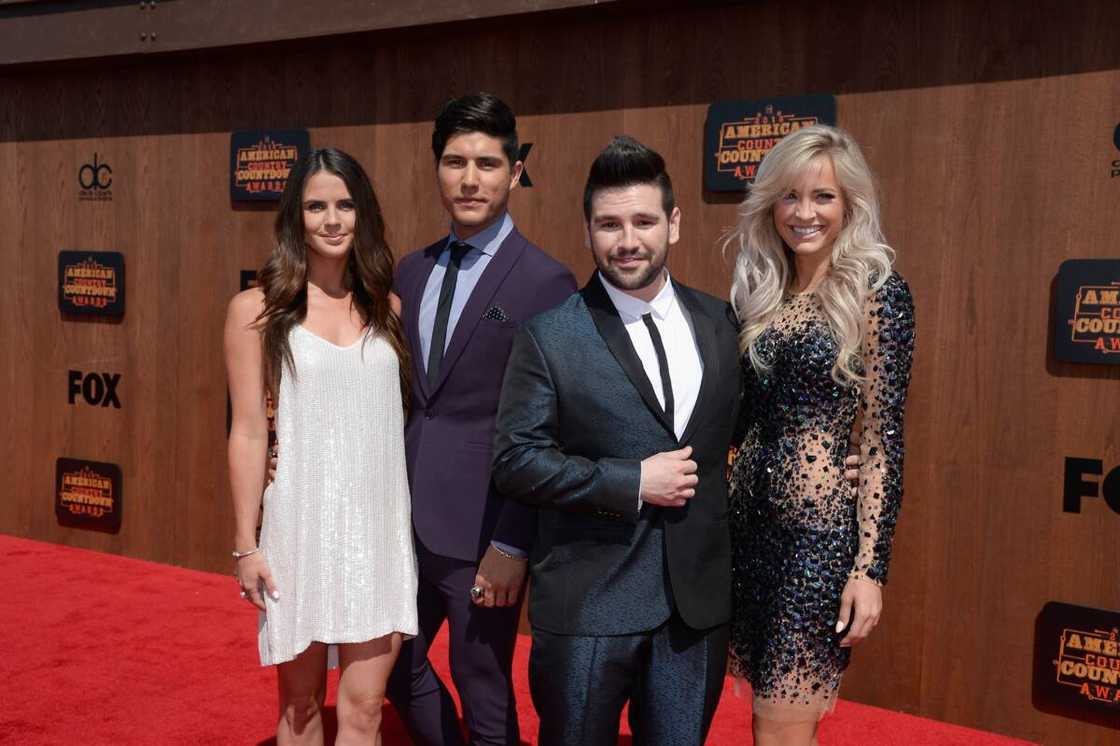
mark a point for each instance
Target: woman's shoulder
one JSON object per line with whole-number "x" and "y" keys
{"x": 894, "y": 288}
{"x": 247, "y": 305}
{"x": 892, "y": 301}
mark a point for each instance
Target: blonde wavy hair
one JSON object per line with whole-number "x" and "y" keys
{"x": 861, "y": 259}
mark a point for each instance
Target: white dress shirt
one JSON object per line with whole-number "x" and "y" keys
{"x": 686, "y": 369}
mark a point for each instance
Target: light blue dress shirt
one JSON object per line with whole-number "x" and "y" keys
{"x": 485, "y": 245}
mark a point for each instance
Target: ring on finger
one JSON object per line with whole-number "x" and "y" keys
{"x": 244, "y": 594}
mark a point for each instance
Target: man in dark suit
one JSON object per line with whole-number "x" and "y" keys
{"x": 462, "y": 299}
{"x": 616, "y": 414}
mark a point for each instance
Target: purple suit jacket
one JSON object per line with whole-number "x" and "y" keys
{"x": 450, "y": 431}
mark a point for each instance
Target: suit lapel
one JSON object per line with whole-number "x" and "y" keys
{"x": 705, "y": 330}
{"x": 614, "y": 333}
{"x": 500, "y": 265}
{"x": 412, "y": 313}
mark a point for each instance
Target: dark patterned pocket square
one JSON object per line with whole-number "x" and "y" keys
{"x": 496, "y": 313}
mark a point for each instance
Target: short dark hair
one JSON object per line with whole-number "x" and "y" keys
{"x": 626, "y": 162}
{"x": 476, "y": 112}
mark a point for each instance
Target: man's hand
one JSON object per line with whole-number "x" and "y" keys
{"x": 861, "y": 603}
{"x": 500, "y": 579}
{"x": 851, "y": 469}
{"x": 854, "y": 457}
{"x": 668, "y": 478}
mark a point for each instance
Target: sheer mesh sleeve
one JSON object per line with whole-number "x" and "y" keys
{"x": 887, "y": 352}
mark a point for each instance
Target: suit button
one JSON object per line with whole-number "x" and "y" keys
{"x": 428, "y": 414}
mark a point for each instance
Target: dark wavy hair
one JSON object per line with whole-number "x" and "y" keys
{"x": 476, "y": 112}
{"x": 368, "y": 276}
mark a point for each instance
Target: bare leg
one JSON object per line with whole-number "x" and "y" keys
{"x": 303, "y": 686}
{"x": 769, "y": 732}
{"x": 365, "y": 668}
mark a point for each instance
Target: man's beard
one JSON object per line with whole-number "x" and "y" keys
{"x": 633, "y": 281}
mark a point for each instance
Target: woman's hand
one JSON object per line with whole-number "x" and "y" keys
{"x": 861, "y": 603}
{"x": 252, "y": 571}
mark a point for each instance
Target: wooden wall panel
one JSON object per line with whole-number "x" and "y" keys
{"x": 40, "y": 31}
{"x": 989, "y": 127}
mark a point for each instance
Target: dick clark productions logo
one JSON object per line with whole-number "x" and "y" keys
{"x": 95, "y": 181}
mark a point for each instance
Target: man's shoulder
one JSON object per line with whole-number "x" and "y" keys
{"x": 541, "y": 281}
{"x": 557, "y": 317}
{"x": 417, "y": 255}
{"x": 537, "y": 260}
{"x": 718, "y": 308}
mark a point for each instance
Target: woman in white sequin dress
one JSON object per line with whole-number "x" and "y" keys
{"x": 335, "y": 564}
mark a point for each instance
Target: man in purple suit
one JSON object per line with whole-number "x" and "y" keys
{"x": 462, "y": 299}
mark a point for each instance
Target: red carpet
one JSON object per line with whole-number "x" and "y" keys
{"x": 101, "y": 649}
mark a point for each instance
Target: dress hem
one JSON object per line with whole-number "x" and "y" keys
{"x": 343, "y": 640}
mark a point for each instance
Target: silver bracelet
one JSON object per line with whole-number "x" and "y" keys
{"x": 239, "y": 555}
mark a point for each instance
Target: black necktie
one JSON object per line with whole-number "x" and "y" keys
{"x": 663, "y": 365}
{"x": 459, "y": 249}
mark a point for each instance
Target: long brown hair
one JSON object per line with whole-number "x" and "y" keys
{"x": 368, "y": 275}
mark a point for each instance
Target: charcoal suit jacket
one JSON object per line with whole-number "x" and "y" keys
{"x": 577, "y": 416}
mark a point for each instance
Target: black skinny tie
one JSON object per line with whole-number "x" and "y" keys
{"x": 663, "y": 366}
{"x": 459, "y": 249}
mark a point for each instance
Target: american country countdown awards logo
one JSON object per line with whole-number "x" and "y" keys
{"x": 1087, "y": 316}
{"x": 260, "y": 161}
{"x": 91, "y": 282}
{"x": 95, "y": 181}
{"x": 1077, "y": 662}
{"x": 88, "y": 494}
{"x": 739, "y": 134}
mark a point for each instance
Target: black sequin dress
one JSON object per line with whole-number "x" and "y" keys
{"x": 798, "y": 530}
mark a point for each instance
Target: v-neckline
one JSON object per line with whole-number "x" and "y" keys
{"x": 332, "y": 344}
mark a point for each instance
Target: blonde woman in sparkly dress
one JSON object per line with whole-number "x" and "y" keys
{"x": 827, "y": 332}
{"x": 335, "y": 564}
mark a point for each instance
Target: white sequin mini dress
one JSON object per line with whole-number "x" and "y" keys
{"x": 337, "y": 526}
